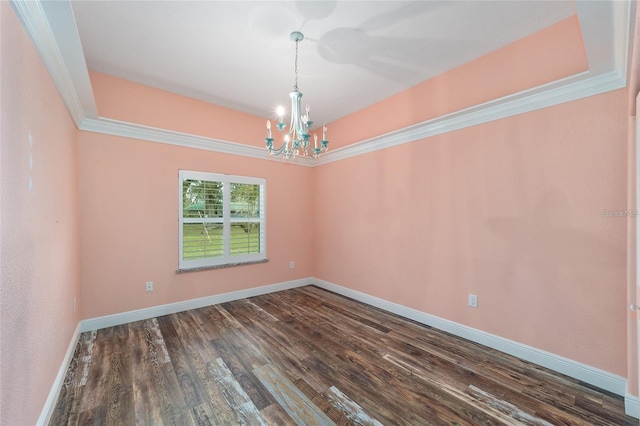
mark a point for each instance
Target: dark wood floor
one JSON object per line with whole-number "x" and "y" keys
{"x": 308, "y": 356}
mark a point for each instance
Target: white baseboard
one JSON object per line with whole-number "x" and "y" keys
{"x": 142, "y": 314}
{"x": 172, "y": 308}
{"x": 594, "y": 376}
{"x": 50, "y": 403}
{"x": 588, "y": 374}
{"x": 632, "y": 405}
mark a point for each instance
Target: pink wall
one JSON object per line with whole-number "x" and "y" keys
{"x": 127, "y": 101}
{"x": 548, "y": 55}
{"x": 510, "y": 210}
{"x": 39, "y": 247}
{"x": 451, "y": 215}
{"x": 129, "y": 211}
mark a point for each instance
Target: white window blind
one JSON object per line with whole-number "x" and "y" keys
{"x": 222, "y": 219}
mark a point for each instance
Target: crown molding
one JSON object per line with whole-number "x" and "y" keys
{"x": 54, "y": 34}
{"x": 125, "y": 129}
{"x": 566, "y": 90}
{"x": 607, "y": 28}
{"x": 607, "y": 34}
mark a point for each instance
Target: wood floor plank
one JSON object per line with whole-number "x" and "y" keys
{"x": 157, "y": 398}
{"x": 345, "y": 332}
{"x": 310, "y": 356}
{"x": 93, "y": 405}
{"x": 444, "y": 405}
{"x": 470, "y": 359}
{"x": 143, "y": 369}
{"x": 259, "y": 312}
{"x": 283, "y": 346}
{"x": 203, "y": 398}
{"x": 238, "y": 400}
{"x": 391, "y": 411}
{"x": 274, "y": 414}
{"x": 191, "y": 335}
{"x": 286, "y": 342}
{"x": 83, "y": 358}
{"x": 203, "y": 317}
{"x": 350, "y": 409}
{"x": 505, "y": 407}
{"x": 68, "y": 405}
{"x": 241, "y": 369}
{"x": 248, "y": 349}
{"x": 365, "y": 378}
{"x": 120, "y": 381}
{"x": 294, "y": 402}
{"x": 322, "y": 401}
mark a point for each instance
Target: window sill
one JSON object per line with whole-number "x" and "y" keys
{"x": 224, "y": 265}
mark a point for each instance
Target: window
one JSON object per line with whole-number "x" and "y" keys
{"x": 222, "y": 219}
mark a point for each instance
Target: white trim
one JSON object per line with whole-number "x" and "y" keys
{"x": 54, "y": 393}
{"x": 557, "y": 92}
{"x": 125, "y": 129}
{"x": 52, "y": 29}
{"x": 594, "y": 376}
{"x": 147, "y": 313}
{"x": 623, "y": 32}
{"x": 632, "y": 405}
{"x": 588, "y": 374}
{"x": 172, "y": 308}
{"x": 607, "y": 29}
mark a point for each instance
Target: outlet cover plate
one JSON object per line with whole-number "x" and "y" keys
{"x": 473, "y": 300}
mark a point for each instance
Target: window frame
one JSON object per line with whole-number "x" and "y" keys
{"x": 227, "y": 259}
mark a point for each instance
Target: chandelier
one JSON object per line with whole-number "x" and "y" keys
{"x": 296, "y": 140}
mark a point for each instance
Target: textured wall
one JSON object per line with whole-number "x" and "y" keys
{"x": 511, "y": 211}
{"x": 129, "y": 196}
{"x": 39, "y": 246}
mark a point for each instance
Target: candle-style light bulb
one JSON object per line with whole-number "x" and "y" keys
{"x": 308, "y": 115}
{"x": 315, "y": 140}
{"x": 324, "y": 132}
{"x": 268, "y": 129}
{"x": 280, "y": 113}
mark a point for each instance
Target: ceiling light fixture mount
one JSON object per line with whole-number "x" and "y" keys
{"x": 296, "y": 140}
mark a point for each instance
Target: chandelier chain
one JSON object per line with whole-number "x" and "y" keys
{"x": 295, "y": 69}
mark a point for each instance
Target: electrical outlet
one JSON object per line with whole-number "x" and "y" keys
{"x": 473, "y": 300}
{"x": 292, "y": 265}
{"x": 149, "y": 286}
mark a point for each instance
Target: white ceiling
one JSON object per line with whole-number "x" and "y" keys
{"x": 238, "y": 53}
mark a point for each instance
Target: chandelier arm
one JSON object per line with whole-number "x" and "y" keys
{"x": 278, "y": 151}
